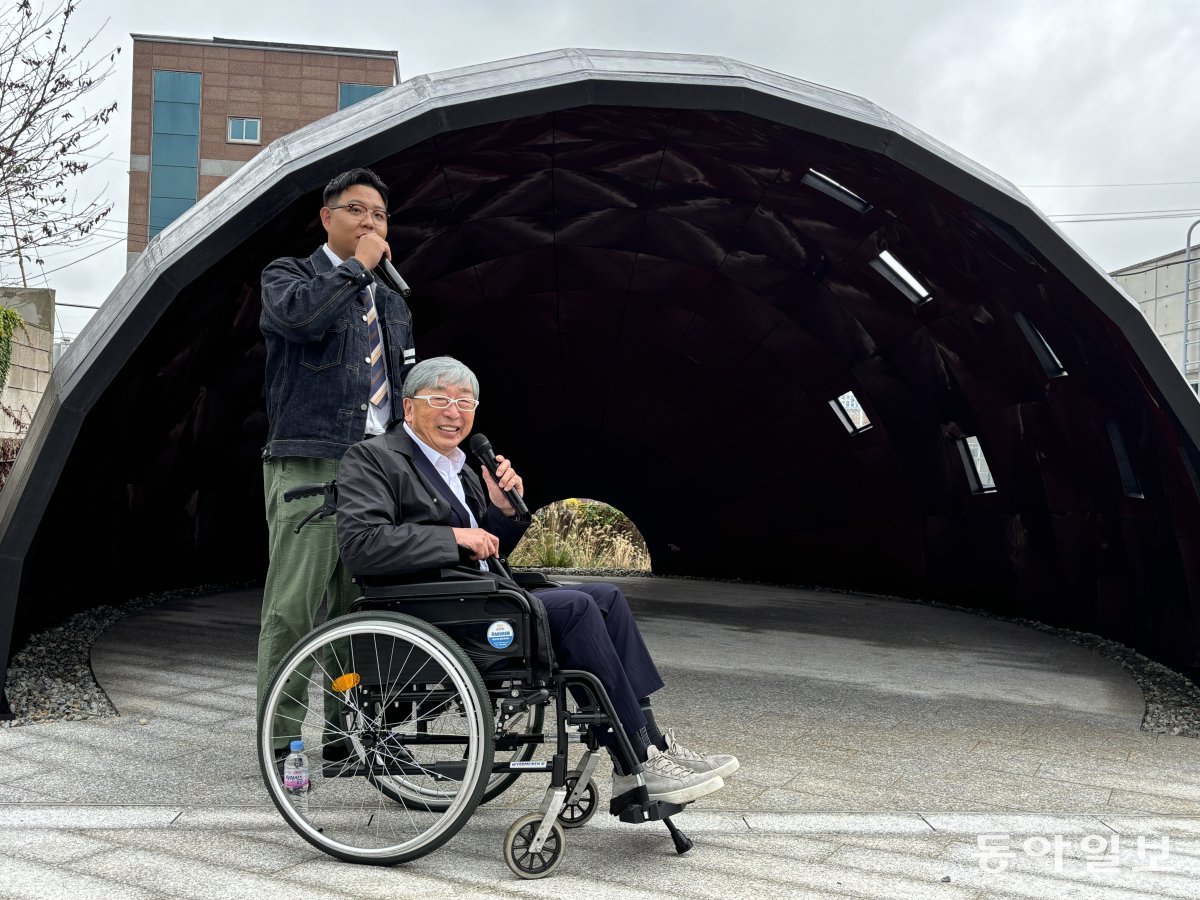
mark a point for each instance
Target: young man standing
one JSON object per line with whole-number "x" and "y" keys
{"x": 338, "y": 346}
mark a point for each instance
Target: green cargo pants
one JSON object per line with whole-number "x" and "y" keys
{"x": 303, "y": 569}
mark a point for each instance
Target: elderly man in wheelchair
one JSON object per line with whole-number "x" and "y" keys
{"x": 429, "y": 698}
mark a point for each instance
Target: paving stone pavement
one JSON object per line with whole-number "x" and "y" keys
{"x": 880, "y": 742}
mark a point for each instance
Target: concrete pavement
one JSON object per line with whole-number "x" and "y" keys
{"x": 880, "y": 742}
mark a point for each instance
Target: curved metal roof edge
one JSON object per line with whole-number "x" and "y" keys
{"x": 503, "y": 89}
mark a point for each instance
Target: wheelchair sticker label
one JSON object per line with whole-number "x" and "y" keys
{"x": 500, "y": 635}
{"x": 529, "y": 764}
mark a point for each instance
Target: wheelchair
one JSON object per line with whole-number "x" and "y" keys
{"x": 427, "y": 699}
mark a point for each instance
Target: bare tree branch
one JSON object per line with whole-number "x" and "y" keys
{"x": 45, "y": 133}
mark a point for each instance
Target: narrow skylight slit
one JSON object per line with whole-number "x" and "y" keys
{"x": 850, "y": 413}
{"x": 979, "y": 473}
{"x": 891, "y": 269}
{"x": 1046, "y": 356}
{"x": 1129, "y": 480}
{"x": 1006, "y": 234}
{"x": 1190, "y": 470}
{"x": 831, "y": 188}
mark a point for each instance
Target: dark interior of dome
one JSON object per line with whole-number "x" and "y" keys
{"x": 663, "y": 307}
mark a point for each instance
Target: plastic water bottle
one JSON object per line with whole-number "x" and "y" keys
{"x": 295, "y": 775}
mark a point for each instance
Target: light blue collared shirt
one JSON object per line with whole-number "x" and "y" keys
{"x": 449, "y": 467}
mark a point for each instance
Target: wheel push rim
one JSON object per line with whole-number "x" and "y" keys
{"x": 381, "y": 829}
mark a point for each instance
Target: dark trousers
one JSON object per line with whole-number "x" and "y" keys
{"x": 593, "y": 629}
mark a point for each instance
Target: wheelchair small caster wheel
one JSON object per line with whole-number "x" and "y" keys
{"x": 517, "y": 853}
{"x": 573, "y": 815}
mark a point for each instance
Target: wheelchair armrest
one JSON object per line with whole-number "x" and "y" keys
{"x": 533, "y": 581}
{"x": 416, "y": 589}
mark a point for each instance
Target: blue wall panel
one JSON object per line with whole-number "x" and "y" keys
{"x": 349, "y": 94}
{"x": 174, "y": 147}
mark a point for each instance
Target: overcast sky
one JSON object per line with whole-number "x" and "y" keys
{"x": 1089, "y": 106}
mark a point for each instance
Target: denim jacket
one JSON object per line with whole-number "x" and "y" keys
{"x": 318, "y": 379}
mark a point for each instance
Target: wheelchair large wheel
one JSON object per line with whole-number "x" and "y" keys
{"x": 378, "y": 698}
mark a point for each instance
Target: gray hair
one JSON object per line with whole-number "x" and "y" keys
{"x": 439, "y": 372}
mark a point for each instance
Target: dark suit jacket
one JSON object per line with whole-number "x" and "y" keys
{"x": 392, "y": 519}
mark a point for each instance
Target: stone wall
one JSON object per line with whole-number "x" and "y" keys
{"x": 30, "y": 369}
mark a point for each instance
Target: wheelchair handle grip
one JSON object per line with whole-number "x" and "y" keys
{"x": 303, "y": 490}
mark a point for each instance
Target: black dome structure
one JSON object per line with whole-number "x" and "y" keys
{"x": 666, "y": 270}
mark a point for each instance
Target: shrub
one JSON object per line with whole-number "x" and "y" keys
{"x": 9, "y": 447}
{"x": 10, "y": 321}
{"x": 584, "y": 534}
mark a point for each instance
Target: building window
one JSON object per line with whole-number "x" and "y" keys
{"x": 349, "y": 94}
{"x": 174, "y": 147}
{"x": 244, "y": 131}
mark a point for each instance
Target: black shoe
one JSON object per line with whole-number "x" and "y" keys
{"x": 337, "y": 752}
{"x": 281, "y": 754}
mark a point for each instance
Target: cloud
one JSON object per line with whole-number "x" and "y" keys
{"x": 1042, "y": 93}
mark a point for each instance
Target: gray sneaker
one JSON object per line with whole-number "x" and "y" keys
{"x": 722, "y": 764}
{"x": 668, "y": 781}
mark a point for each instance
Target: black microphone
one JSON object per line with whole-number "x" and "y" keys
{"x": 482, "y": 448}
{"x": 392, "y": 278}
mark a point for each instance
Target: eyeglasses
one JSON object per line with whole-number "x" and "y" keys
{"x": 360, "y": 212}
{"x": 437, "y": 401}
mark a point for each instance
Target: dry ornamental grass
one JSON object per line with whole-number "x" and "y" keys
{"x": 582, "y": 534}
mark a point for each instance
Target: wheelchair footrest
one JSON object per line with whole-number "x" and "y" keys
{"x": 650, "y": 811}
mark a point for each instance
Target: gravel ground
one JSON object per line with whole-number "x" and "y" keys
{"x": 1172, "y": 699}
{"x": 51, "y": 678}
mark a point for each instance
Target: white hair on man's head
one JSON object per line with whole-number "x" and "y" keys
{"x": 439, "y": 372}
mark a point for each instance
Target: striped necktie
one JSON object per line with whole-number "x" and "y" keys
{"x": 379, "y": 381}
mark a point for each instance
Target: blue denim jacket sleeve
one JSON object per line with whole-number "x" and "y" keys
{"x": 317, "y": 380}
{"x": 300, "y": 306}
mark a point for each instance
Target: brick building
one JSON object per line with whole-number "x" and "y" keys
{"x": 202, "y": 108}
